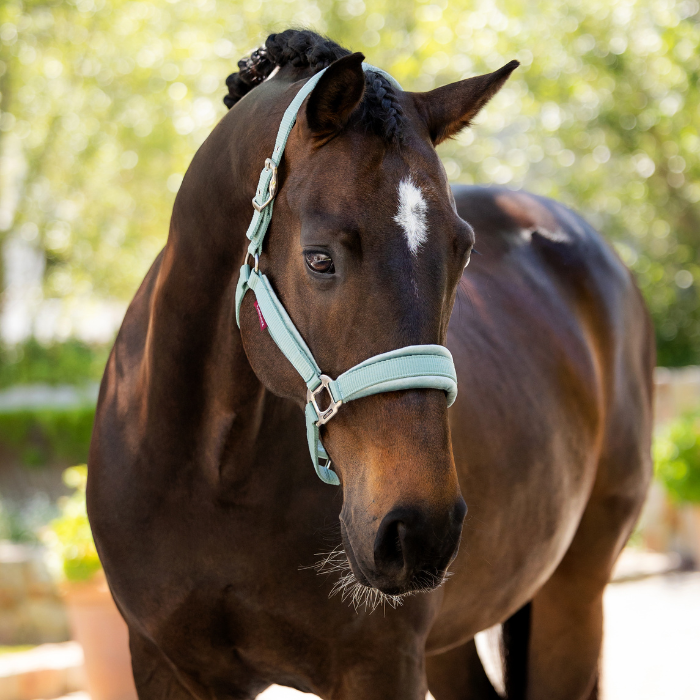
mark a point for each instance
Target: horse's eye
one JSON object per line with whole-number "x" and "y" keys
{"x": 320, "y": 262}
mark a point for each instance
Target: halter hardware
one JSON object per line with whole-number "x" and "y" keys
{"x": 410, "y": 367}
{"x": 256, "y": 259}
{"x": 324, "y": 415}
{"x": 269, "y": 165}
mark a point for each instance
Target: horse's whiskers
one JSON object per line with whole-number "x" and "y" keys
{"x": 359, "y": 595}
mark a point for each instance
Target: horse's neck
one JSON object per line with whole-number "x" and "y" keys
{"x": 180, "y": 342}
{"x": 195, "y": 387}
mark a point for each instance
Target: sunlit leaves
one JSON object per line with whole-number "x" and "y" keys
{"x": 104, "y": 103}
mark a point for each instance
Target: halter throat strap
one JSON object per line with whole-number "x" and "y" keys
{"x": 411, "y": 367}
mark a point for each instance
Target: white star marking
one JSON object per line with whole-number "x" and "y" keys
{"x": 412, "y": 214}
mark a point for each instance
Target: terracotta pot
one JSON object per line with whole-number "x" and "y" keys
{"x": 99, "y": 628}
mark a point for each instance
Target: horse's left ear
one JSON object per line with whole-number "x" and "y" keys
{"x": 448, "y": 109}
{"x": 335, "y": 96}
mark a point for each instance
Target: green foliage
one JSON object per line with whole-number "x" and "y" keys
{"x": 677, "y": 458}
{"x": 69, "y": 537}
{"x": 105, "y": 101}
{"x": 70, "y": 362}
{"x": 43, "y": 435}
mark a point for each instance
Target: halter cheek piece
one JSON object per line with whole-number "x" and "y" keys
{"x": 411, "y": 367}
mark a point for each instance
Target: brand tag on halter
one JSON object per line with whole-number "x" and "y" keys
{"x": 261, "y": 318}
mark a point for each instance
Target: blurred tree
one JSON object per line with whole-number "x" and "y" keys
{"x": 104, "y": 102}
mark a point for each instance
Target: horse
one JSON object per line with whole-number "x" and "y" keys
{"x": 505, "y": 512}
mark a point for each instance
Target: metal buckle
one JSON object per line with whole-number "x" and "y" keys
{"x": 269, "y": 165}
{"x": 328, "y": 413}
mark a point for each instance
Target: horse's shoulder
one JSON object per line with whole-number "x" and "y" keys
{"x": 122, "y": 386}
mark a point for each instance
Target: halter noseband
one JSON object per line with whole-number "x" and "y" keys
{"x": 410, "y": 367}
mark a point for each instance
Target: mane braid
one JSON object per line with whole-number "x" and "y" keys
{"x": 380, "y": 111}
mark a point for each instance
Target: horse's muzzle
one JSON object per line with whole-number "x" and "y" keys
{"x": 412, "y": 549}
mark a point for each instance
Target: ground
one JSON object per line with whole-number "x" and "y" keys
{"x": 652, "y": 641}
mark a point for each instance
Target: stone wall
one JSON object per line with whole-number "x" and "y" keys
{"x": 31, "y": 610}
{"x": 677, "y": 391}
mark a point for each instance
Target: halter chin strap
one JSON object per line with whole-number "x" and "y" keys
{"x": 411, "y": 367}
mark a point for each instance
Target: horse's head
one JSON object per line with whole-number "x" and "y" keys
{"x": 365, "y": 251}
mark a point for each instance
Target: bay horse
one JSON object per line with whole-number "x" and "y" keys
{"x": 206, "y": 511}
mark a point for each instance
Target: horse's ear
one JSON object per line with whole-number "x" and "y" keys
{"x": 448, "y": 109}
{"x": 335, "y": 96}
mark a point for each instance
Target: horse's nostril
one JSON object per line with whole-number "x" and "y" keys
{"x": 459, "y": 512}
{"x": 388, "y": 546}
{"x": 409, "y": 542}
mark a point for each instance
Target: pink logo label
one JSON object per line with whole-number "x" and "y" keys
{"x": 261, "y": 318}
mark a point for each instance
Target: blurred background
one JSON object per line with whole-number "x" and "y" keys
{"x": 102, "y": 106}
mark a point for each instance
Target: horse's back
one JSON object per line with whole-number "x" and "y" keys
{"x": 520, "y": 230}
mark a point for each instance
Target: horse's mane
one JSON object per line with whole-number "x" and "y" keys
{"x": 380, "y": 108}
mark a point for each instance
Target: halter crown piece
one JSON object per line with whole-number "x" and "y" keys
{"x": 410, "y": 367}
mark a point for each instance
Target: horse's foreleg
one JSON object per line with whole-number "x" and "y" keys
{"x": 397, "y": 675}
{"x": 459, "y": 675}
{"x": 154, "y": 678}
{"x": 565, "y": 642}
{"x": 567, "y": 613}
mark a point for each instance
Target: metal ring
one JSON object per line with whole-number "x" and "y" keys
{"x": 256, "y": 257}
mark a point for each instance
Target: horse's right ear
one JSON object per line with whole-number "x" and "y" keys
{"x": 448, "y": 109}
{"x": 335, "y": 96}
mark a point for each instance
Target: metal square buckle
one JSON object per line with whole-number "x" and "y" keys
{"x": 269, "y": 165}
{"x": 325, "y": 415}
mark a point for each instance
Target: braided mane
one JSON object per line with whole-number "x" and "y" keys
{"x": 380, "y": 109}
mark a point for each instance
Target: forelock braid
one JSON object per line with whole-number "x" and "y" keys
{"x": 301, "y": 48}
{"x": 381, "y": 107}
{"x": 251, "y": 72}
